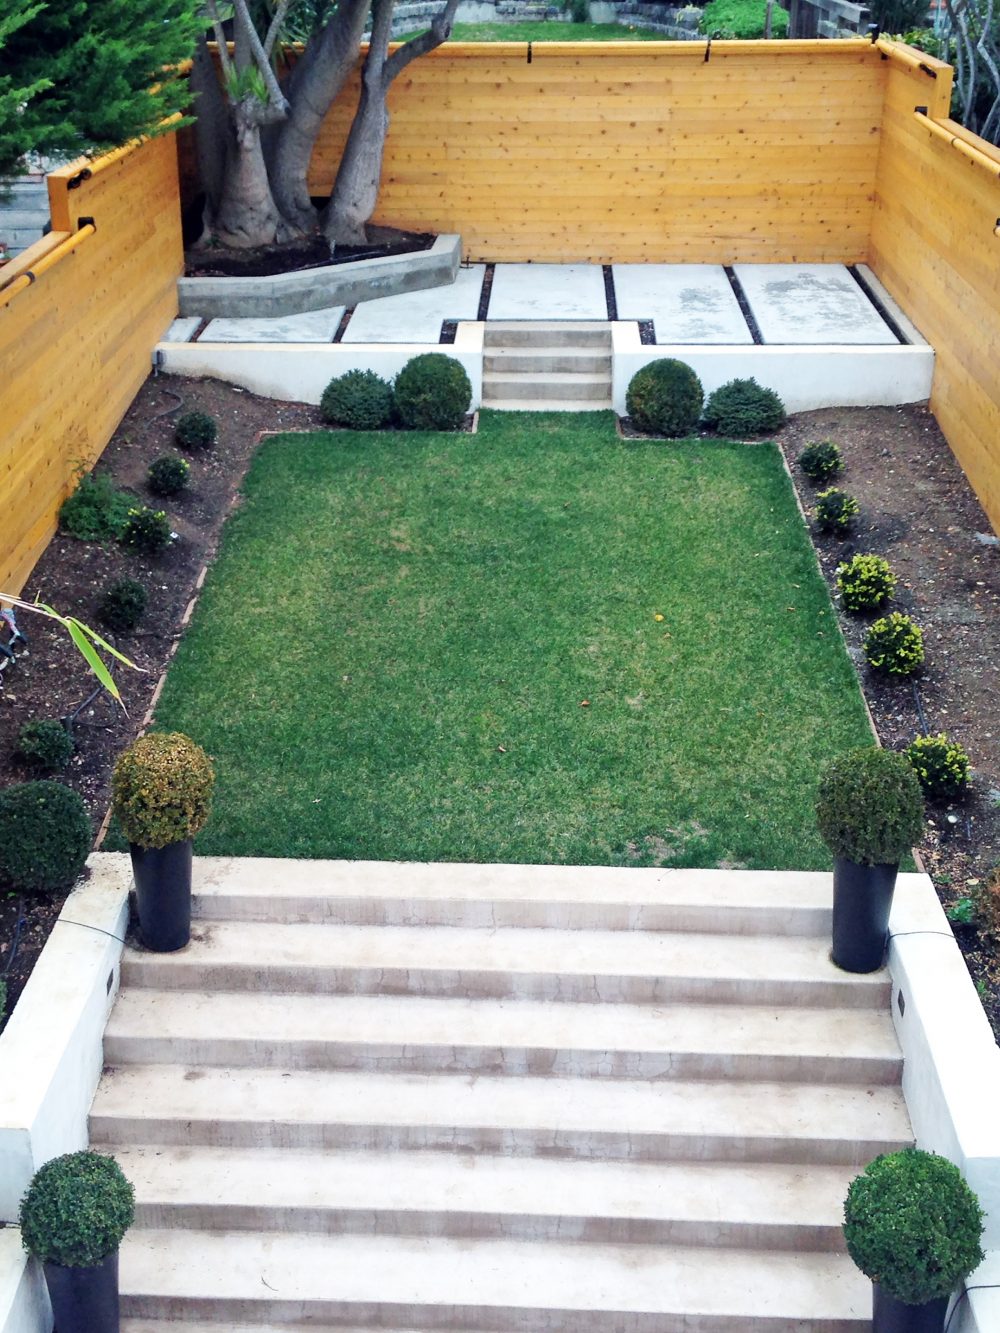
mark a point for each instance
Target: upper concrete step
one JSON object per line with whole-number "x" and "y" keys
{"x": 547, "y": 333}
{"x": 612, "y": 1119}
{"x": 487, "y": 1284}
{"x": 516, "y": 1037}
{"x": 525, "y": 963}
{"x": 539, "y": 360}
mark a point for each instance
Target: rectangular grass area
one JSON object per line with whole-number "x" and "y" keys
{"x": 539, "y": 643}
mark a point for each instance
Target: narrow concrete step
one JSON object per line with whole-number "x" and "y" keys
{"x": 416, "y": 1034}
{"x": 540, "y": 360}
{"x": 538, "y": 386}
{"x": 487, "y": 1284}
{"x": 19, "y": 216}
{"x": 728, "y": 1120}
{"x": 546, "y": 404}
{"x": 507, "y": 963}
{"x": 546, "y": 333}
{"x": 484, "y": 1196}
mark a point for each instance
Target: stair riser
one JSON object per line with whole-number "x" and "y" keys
{"x": 551, "y": 335}
{"x": 544, "y": 361}
{"x": 501, "y": 404}
{"x": 315, "y": 979}
{"x": 536, "y": 387}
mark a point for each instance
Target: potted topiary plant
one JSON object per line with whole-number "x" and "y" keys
{"x": 73, "y": 1217}
{"x": 913, "y": 1226}
{"x": 870, "y": 813}
{"x": 162, "y": 788}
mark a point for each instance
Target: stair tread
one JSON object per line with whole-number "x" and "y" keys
{"x": 546, "y": 404}
{"x": 548, "y": 376}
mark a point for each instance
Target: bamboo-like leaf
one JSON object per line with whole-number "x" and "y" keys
{"x": 93, "y": 658}
{"x": 95, "y": 638}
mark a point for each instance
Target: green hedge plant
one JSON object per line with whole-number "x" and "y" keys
{"x": 941, "y": 766}
{"x": 665, "y": 398}
{"x": 45, "y": 744}
{"x": 77, "y": 1210}
{"x": 894, "y": 645}
{"x": 359, "y": 400}
{"x": 821, "y": 462}
{"x": 744, "y": 407}
{"x": 123, "y": 605}
{"x": 168, "y": 475}
{"x": 162, "y": 789}
{"x": 432, "y": 392}
{"x": 196, "y": 431}
{"x": 870, "y": 809}
{"x": 742, "y": 19}
{"x": 146, "y": 531}
{"x": 865, "y": 582}
{"x": 836, "y": 511}
{"x": 45, "y": 836}
{"x": 96, "y": 511}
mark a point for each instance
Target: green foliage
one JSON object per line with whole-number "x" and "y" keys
{"x": 123, "y": 604}
{"x": 894, "y": 645}
{"x": 865, "y": 582}
{"x": 162, "y": 789}
{"x": 821, "y": 462}
{"x": 913, "y": 1225}
{"x": 962, "y": 911}
{"x": 742, "y": 19}
{"x": 941, "y": 766}
{"x": 45, "y": 744}
{"x": 168, "y": 474}
{"x": 579, "y": 11}
{"x": 894, "y": 16}
{"x": 77, "y": 1210}
{"x": 665, "y": 398}
{"x": 744, "y": 407}
{"x": 45, "y": 836}
{"x": 836, "y": 511}
{"x": 96, "y": 511}
{"x": 432, "y": 392}
{"x": 869, "y": 809}
{"x": 359, "y": 400}
{"x": 196, "y": 431}
{"x": 146, "y": 531}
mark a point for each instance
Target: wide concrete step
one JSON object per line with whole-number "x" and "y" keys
{"x": 384, "y": 893}
{"x": 508, "y": 963}
{"x": 612, "y": 1119}
{"x": 540, "y": 360}
{"x": 546, "y": 333}
{"x": 556, "y": 385}
{"x": 497, "y": 404}
{"x": 515, "y": 1037}
{"x": 442, "y": 1283}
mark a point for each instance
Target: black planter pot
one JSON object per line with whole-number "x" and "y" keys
{"x": 892, "y": 1316}
{"x": 862, "y": 899}
{"x": 163, "y": 895}
{"x": 84, "y": 1300}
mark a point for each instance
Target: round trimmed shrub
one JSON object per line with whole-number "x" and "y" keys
{"x": 894, "y": 645}
{"x": 665, "y": 398}
{"x": 123, "y": 605}
{"x": 821, "y": 462}
{"x": 77, "y": 1210}
{"x": 45, "y": 836}
{"x": 168, "y": 474}
{"x": 913, "y": 1225}
{"x": 146, "y": 531}
{"x": 869, "y": 809}
{"x": 162, "y": 789}
{"x": 45, "y": 744}
{"x": 836, "y": 511}
{"x": 359, "y": 400}
{"x": 432, "y": 392}
{"x": 865, "y": 582}
{"x": 941, "y": 766}
{"x": 744, "y": 407}
{"x": 196, "y": 431}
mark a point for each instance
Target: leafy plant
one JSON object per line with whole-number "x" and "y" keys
{"x": 865, "y": 582}
{"x": 359, "y": 400}
{"x": 162, "y": 789}
{"x": 869, "y": 809}
{"x": 96, "y": 511}
{"x": 45, "y": 836}
{"x": 146, "y": 531}
{"x": 744, "y": 19}
{"x": 913, "y": 1225}
{"x": 836, "y": 511}
{"x": 665, "y": 398}
{"x": 962, "y": 911}
{"x": 744, "y": 407}
{"x": 196, "y": 431}
{"x": 821, "y": 462}
{"x": 45, "y": 744}
{"x": 432, "y": 392}
{"x": 941, "y": 765}
{"x": 77, "y": 1210}
{"x": 168, "y": 474}
{"x": 86, "y": 641}
{"x": 894, "y": 645}
{"x": 123, "y": 604}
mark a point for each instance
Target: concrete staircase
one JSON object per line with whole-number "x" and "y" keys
{"x": 552, "y": 366}
{"x": 401, "y": 1097}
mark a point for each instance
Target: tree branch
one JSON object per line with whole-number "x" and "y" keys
{"x": 440, "y": 31}
{"x": 220, "y": 39}
{"x": 277, "y": 22}
{"x": 276, "y": 98}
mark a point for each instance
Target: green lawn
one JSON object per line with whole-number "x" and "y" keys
{"x": 447, "y": 647}
{"x": 543, "y": 31}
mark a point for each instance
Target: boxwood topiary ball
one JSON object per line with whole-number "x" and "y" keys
{"x": 196, "y": 431}
{"x": 45, "y": 836}
{"x": 744, "y": 407}
{"x": 162, "y": 788}
{"x": 665, "y": 398}
{"x": 45, "y": 744}
{"x": 77, "y": 1210}
{"x": 432, "y": 392}
{"x": 870, "y": 809}
{"x": 359, "y": 400}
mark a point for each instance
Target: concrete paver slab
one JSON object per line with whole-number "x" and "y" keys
{"x": 688, "y": 303}
{"x": 548, "y": 291}
{"x": 810, "y": 304}
{"x": 182, "y": 330}
{"x": 315, "y": 326}
{"x": 416, "y": 317}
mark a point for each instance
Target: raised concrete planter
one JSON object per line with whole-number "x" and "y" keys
{"x": 24, "y": 1301}
{"x": 321, "y": 288}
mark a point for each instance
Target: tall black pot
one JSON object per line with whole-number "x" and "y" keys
{"x": 892, "y": 1316}
{"x": 163, "y": 894}
{"x": 84, "y": 1300}
{"x": 862, "y": 900}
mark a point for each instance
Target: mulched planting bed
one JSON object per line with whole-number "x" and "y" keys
{"x": 216, "y": 261}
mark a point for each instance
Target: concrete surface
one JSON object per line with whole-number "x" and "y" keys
{"x": 796, "y": 304}
{"x": 24, "y": 1300}
{"x": 182, "y": 329}
{"x": 315, "y": 326}
{"x": 547, "y": 292}
{"x": 688, "y": 303}
{"x": 416, "y": 317}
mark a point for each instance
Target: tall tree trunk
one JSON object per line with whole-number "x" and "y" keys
{"x": 211, "y": 129}
{"x": 247, "y": 215}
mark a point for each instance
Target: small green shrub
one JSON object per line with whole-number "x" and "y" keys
{"x": 45, "y": 744}
{"x": 162, "y": 789}
{"x": 869, "y": 808}
{"x": 432, "y": 392}
{"x": 96, "y": 511}
{"x": 146, "y": 531}
{"x": 941, "y": 766}
{"x": 744, "y": 19}
{"x": 579, "y": 11}
{"x": 913, "y": 1225}
{"x": 123, "y": 605}
{"x": 168, "y": 474}
{"x": 196, "y": 431}
{"x": 894, "y": 645}
{"x": 359, "y": 400}
{"x": 744, "y": 407}
{"x": 45, "y": 836}
{"x": 77, "y": 1210}
{"x": 665, "y": 398}
{"x": 836, "y": 511}
{"x": 865, "y": 582}
{"x": 821, "y": 462}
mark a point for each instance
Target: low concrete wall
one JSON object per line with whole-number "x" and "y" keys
{"x": 24, "y": 1302}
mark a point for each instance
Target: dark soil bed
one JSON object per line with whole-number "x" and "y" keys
{"x": 295, "y": 256}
